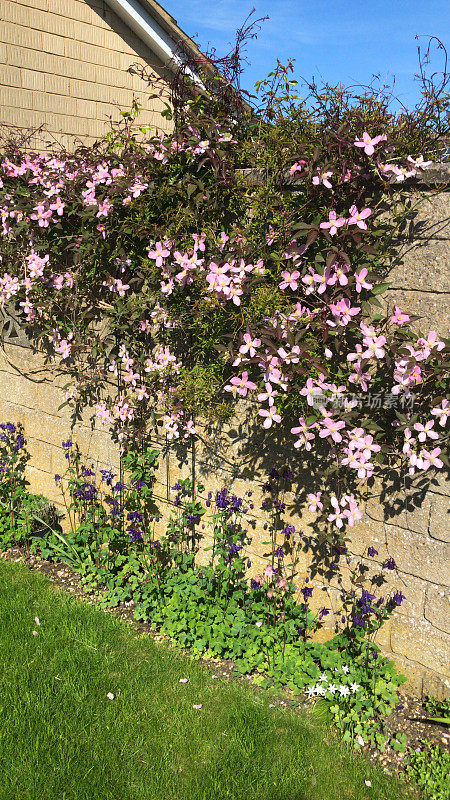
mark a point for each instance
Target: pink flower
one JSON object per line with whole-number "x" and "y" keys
{"x": 269, "y": 395}
{"x": 305, "y": 434}
{"x": 333, "y": 223}
{"x": 58, "y": 206}
{"x": 418, "y": 163}
{"x": 332, "y": 428}
{"x": 240, "y": 385}
{"x": 159, "y": 253}
{"x": 399, "y": 317}
{"x": 270, "y": 415}
{"x": 431, "y": 459}
{"x": 102, "y": 413}
{"x": 249, "y": 345}
{"x": 426, "y": 431}
{"x": 290, "y": 280}
{"x": 323, "y": 177}
{"x": 63, "y": 348}
{"x": 342, "y": 312}
{"x": 358, "y": 217}
{"x": 297, "y": 167}
{"x": 368, "y": 143}
{"x": 314, "y": 501}
{"x": 339, "y": 516}
{"x": 442, "y": 411}
{"x": 361, "y": 283}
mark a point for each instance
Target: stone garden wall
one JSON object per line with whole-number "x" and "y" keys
{"x": 411, "y": 524}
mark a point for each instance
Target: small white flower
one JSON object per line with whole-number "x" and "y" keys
{"x": 183, "y": 680}
{"x": 360, "y": 740}
{"x": 345, "y": 669}
{"x": 310, "y": 691}
{"x": 258, "y": 624}
{"x": 213, "y": 676}
{"x": 344, "y": 691}
{"x": 37, "y": 620}
{"x": 320, "y": 690}
{"x": 354, "y": 687}
{"x": 197, "y": 707}
{"x": 35, "y": 633}
{"x": 332, "y": 688}
{"x": 271, "y": 705}
{"x": 368, "y": 783}
{"x": 110, "y": 696}
{"x": 323, "y": 677}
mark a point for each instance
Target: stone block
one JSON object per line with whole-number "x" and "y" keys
{"x": 437, "y": 607}
{"x": 421, "y": 643}
{"x": 10, "y": 76}
{"x": 440, "y": 517}
{"x": 410, "y": 510}
{"x": 436, "y": 685}
{"x": 417, "y": 555}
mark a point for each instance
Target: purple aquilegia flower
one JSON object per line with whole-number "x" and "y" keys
{"x": 279, "y": 506}
{"x": 279, "y": 553}
{"x": 135, "y": 516}
{"x": 136, "y": 536}
{"x": 222, "y": 498}
{"x": 139, "y": 484}
{"x": 107, "y": 476}
{"x": 87, "y": 473}
{"x": 398, "y": 598}
{"x": 119, "y": 486}
{"x": 67, "y": 444}
{"x": 10, "y": 427}
{"x": 324, "y": 612}
{"x": 176, "y": 487}
{"x": 306, "y": 592}
{"x": 372, "y": 552}
{"x": 57, "y": 478}
{"x": 236, "y": 503}
{"x": 390, "y": 564}
{"x": 288, "y": 530}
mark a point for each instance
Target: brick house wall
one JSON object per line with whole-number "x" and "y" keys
{"x": 63, "y": 63}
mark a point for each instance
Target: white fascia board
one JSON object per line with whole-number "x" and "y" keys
{"x": 148, "y": 30}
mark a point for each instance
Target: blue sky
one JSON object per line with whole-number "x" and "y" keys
{"x": 338, "y": 41}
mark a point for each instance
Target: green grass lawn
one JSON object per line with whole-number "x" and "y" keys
{"x": 61, "y": 738}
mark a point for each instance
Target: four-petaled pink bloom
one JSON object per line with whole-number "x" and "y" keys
{"x": 333, "y": 223}
{"x": 358, "y": 217}
{"x": 399, "y": 317}
{"x": 332, "y": 428}
{"x": 442, "y": 411}
{"x": 249, "y": 345}
{"x": 271, "y": 415}
{"x": 240, "y": 385}
{"x": 314, "y": 501}
{"x": 368, "y": 143}
{"x": 290, "y": 280}
{"x": 431, "y": 459}
{"x": 297, "y": 167}
{"x": 360, "y": 278}
{"x": 159, "y": 253}
{"x": 323, "y": 177}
